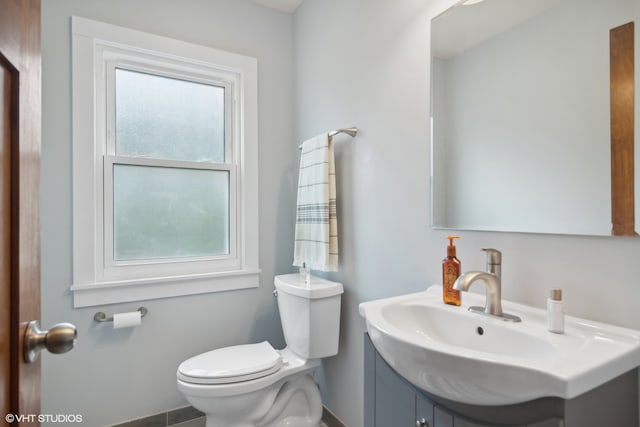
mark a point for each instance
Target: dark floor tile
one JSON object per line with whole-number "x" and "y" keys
{"x": 159, "y": 420}
{"x": 183, "y": 414}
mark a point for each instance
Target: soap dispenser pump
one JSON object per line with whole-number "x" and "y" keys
{"x": 451, "y": 268}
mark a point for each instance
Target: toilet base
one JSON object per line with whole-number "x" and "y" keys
{"x": 292, "y": 401}
{"x": 298, "y": 404}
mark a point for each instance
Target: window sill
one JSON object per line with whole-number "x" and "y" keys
{"x": 100, "y": 293}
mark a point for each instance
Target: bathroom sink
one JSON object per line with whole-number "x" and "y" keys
{"x": 481, "y": 360}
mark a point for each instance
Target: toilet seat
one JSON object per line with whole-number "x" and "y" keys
{"x": 231, "y": 365}
{"x": 292, "y": 365}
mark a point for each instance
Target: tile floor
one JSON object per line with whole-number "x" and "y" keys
{"x": 190, "y": 417}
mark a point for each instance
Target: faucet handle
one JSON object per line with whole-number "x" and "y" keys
{"x": 494, "y": 256}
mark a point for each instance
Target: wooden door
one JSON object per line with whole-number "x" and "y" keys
{"x": 19, "y": 227}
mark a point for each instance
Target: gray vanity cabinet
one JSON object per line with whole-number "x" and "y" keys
{"x": 391, "y": 401}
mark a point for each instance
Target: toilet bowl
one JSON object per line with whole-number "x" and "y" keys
{"x": 255, "y": 385}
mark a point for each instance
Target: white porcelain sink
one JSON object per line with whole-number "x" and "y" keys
{"x": 481, "y": 360}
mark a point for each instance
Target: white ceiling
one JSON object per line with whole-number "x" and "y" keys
{"x": 288, "y": 6}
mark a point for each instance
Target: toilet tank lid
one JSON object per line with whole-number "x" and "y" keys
{"x": 319, "y": 288}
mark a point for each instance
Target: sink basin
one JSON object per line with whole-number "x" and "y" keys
{"x": 481, "y": 360}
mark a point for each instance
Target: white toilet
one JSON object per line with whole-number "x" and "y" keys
{"x": 254, "y": 385}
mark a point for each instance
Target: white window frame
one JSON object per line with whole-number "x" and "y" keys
{"x": 98, "y": 49}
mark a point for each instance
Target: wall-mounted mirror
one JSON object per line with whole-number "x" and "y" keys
{"x": 521, "y": 133}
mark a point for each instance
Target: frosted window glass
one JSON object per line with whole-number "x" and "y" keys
{"x": 167, "y": 118}
{"x": 169, "y": 212}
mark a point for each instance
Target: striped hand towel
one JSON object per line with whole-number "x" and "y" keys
{"x": 316, "y": 238}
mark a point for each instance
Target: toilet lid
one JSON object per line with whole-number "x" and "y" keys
{"x": 231, "y": 364}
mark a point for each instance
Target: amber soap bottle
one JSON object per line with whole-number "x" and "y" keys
{"x": 450, "y": 272}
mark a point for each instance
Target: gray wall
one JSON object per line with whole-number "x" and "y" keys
{"x": 366, "y": 63}
{"x": 357, "y": 62}
{"x": 113, "y": 376}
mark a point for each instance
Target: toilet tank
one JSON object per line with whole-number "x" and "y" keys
{"x": 310, "y": 315}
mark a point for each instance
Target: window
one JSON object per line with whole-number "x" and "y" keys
{"x": 164, "y": 167}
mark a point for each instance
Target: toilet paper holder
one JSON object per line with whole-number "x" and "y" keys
{"x": 102, "y": 317}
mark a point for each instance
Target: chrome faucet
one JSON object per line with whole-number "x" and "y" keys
{"x": 493, "y": 286}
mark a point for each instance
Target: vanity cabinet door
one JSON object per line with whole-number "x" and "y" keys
{"x": 441, "y": 418}
{"x": 556, "y": 422}
{"x": 424, "y": 410}
{"x": 395, "y": 401}
{"x": 463, "y": 422}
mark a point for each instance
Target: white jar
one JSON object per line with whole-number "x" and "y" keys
{"x": 555, "y": 312}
